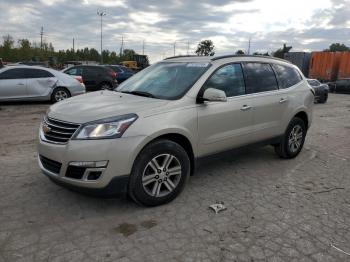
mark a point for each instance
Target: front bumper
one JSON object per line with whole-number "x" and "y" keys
{"x": 120, "y": 154}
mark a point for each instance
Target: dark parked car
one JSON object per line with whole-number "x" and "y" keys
{"x": 342, "y": 85}
{"x": 122, "y": 72}
{"x": 321, "y": 90}
{"x": 95, "y": 77}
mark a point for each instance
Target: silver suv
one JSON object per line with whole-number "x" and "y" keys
{"x": 145, "y": 137}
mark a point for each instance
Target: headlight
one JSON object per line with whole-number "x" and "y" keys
{"x": 105, "y": 128}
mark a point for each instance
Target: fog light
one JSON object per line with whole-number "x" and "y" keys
{"x": 89, "y": 163}
{"x": 94, "y": 175}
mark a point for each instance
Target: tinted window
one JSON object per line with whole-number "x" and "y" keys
{"x": 37, "y": 73}
{"x": 287, "y": 76}
{"x": 75, "y": 71}
{"x": 91, "y": 71}
{"x": 16, "y": 73}
{"x": 228, "y": 79}
{"x": 259, "y": 78}
{"x": 115, "y": 68}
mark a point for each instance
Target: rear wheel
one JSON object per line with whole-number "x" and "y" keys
{"x": 59, "y": 94}
{"x": 293, "y": 139}
{"x": 159, "y": 173}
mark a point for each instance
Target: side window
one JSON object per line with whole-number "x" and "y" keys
{"x": 259, "y": 77}
{"x": 228, "y": 79}
{"x": 75, "y": 71}
{"x": 91, "y": 71}
{"x": 117, "y": 69}
{"x": 37, "y": 73}
{"x": 287, "y": 76}
{"x": 16, "y": 73}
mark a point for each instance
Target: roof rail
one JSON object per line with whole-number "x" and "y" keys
{"x": 263, "y": 56}
{"x": 179, "y": 56}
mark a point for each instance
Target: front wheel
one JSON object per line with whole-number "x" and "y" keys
{"x": 293, "y": 139}
{"x": 324, "y": 98}
{"x": 159, "y": 173}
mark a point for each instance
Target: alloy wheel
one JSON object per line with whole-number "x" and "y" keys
{"x": 161, "y": 175}
{"x": 295, "y": 138}
{"x": 61, "y": 95}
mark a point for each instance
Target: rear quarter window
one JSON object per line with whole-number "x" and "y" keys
{"x": 287, "y": 76}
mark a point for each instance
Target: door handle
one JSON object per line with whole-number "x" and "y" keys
{"x": 245, "y": 108}
{"x": 20, "y": 84}
{"x": 283, "y": 100}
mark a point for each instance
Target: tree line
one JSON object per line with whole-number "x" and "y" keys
{"x": 24, "y": 51}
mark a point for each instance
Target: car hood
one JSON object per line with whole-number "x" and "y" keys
{"x": 103, "y": 104}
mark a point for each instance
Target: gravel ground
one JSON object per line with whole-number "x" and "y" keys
{"x": 277, "y": 210}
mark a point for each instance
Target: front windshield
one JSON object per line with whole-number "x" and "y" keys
{"x": 164, "y": 80}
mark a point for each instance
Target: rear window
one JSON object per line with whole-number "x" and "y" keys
{"x": 287, "y": 76}
{"x": 37, "y": 73}
{"x": 259, "y": 77}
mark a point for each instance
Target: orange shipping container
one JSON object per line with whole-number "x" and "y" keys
{"x": 344, "y": 67}
{"x": 324, "y": 66}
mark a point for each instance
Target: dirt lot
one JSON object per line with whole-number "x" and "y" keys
{"x": 277, "y": 210}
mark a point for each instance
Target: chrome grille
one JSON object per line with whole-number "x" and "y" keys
{"x": 57, "y": 131}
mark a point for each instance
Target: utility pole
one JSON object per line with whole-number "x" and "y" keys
{"x": 250, "y": 39}
{"x": 188, "y": 47}
{"x": 143, "y": 47}
{"x": 121, "y": 47}
{"x": 41, "y": 38}
{"x": 174, "y": 48}
{"x": 73, "y": 45}
{"x": 101, "y": 14}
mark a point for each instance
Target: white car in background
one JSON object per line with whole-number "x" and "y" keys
{"x": 33, "y": 83}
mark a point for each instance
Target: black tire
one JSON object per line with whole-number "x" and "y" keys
{"x": 323, "y": 99}
{"x": 284, "y": 149}
{"x": 140, "y": 193}
{"x": 59, "y": 92}
{"x": 106, "y": 86}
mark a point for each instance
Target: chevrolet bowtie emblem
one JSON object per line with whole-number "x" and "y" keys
{"x": 46, "y": 128}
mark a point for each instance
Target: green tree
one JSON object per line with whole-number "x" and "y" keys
{"x": 128, "y": 55}
{"x": 25, "y": 50}
{"x": 280, "y": 52}
{"x": 240, "y": 52}
{"x": 205, "y": 48}
{"x": 6, "y": 51}
{"x": 337, "y": 47}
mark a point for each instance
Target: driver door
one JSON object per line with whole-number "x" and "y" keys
{"x": 224, "y": 125}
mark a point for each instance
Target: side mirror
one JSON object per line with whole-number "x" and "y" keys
{"x": 214, "y": 95}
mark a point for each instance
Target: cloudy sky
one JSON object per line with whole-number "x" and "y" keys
{"x": 161, "y": 24}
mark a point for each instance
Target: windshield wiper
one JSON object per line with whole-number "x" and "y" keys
{"x": 139, "y": 93}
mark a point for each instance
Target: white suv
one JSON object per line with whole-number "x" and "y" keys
{"x": 145, "y": 137}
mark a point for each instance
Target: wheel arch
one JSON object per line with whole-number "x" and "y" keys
{"x": 303, "y": 116}
{"x": 178, "y": 138}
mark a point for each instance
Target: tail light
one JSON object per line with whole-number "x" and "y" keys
{"x": 113, "y": 74}
{"x": 79, "y": 78}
